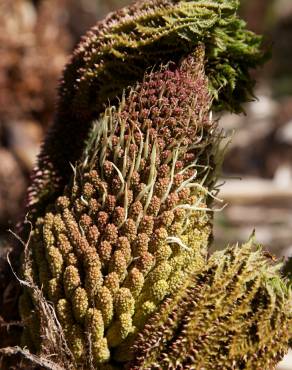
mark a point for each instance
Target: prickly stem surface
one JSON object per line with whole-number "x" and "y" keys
{"x": 234, "y": 314}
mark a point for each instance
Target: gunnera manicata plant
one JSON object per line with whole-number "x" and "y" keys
{"x": 116, "y": 270}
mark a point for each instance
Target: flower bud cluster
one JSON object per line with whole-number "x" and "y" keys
{"x": 133, "y": 222}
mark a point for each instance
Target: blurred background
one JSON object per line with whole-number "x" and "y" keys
{"x": 36, "y": 38}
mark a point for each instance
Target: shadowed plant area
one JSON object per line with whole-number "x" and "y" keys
{"x": 116, "y": 272}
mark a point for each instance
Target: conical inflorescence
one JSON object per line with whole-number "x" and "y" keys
{"x": 134, "y": 221}
{"x": 118, "y": 251}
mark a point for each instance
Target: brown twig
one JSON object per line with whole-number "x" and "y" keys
{"x": 37, "y": 360}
